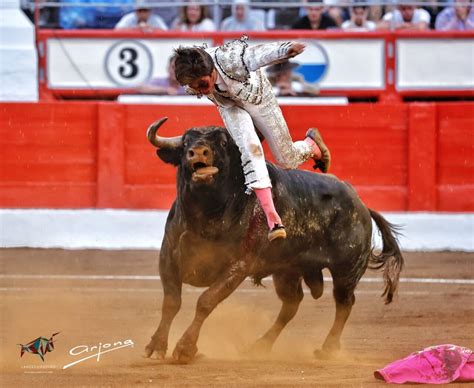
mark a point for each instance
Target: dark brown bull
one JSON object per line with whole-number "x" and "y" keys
{"x": 216, "y": 236}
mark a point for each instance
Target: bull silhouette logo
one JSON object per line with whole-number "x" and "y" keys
{"x": 39, "y": 346}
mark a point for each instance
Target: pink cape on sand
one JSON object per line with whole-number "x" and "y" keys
{"x": 438, "y": 364}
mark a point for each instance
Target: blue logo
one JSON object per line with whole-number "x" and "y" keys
{"x": 314, "y": 63}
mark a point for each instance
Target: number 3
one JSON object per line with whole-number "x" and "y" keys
{"x": 129, "y": 56}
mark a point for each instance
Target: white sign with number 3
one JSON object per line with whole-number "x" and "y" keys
{"x": 129, "y": 63}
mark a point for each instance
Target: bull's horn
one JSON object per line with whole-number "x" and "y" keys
{"x": 162, "y": 142}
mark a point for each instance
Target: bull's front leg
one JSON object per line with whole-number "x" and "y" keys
{"x": 186, "y": 348}
{"x": 172, "y": 285}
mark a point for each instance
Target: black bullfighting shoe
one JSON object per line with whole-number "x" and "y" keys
{"x": 278, "y": 231}
{"x": 325, "y": 162}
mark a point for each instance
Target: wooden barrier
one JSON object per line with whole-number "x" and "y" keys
{"x": 417, "y": 157}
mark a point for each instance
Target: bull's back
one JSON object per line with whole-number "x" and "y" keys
{"x": 320, "y": 209}
{"x": 309, "y": 190}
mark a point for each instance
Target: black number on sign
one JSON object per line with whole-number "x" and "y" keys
{"x": 129, "y": 56}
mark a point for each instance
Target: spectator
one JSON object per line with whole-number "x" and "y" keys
{"x": 194, "y": 18}
{"x": 286, "y": 83}
{"x": 282, "y": 18}
{"x": 358, "y": 21}
{"x": 142, "y": 18}
{"x": 242, "y": 18}
{"x": 406, "y": 17}
{"x": 459, "y": 17}
{"x": 337, "y": 10}
{"x": 376, "y": 12}
{"x": 315, "y": 19}
{"x": 164, "y": 86}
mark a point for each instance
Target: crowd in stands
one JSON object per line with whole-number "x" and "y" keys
{"x": 242, "y": 16}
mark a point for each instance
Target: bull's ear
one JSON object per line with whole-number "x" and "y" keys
{"x": 170, "y": 155}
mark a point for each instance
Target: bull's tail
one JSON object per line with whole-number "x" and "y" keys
{"x": 390, "y": 259}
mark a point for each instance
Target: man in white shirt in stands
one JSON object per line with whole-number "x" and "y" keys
{"x": 358, "y": 20}
{"x": 406, "y": 17}
{"x": 142, "y": 18}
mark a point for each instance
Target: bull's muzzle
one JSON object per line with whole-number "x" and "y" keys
{"x": 199, "y": 154}
{"x": 200, "y": 158}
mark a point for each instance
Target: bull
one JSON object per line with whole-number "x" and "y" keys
{"x": 216, "y": 236}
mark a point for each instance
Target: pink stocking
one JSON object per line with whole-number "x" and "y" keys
{"x": 266, "y": 201}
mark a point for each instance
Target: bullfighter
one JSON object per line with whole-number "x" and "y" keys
{"x": 231, "y": 76}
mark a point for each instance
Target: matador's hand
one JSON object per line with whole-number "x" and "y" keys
{"x": 295, "y": 49}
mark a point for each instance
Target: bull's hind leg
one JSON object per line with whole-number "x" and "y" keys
{"x": 289, "y": 290}
{"x": 344, "y": 295}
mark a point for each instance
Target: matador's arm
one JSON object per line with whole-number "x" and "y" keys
{"x": 236, "y": 59}
{"x": 269, "y": 53}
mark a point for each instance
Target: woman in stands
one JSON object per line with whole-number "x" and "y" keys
{"x": 458, "y": 17}
{"x": 194, "y": 18}
{"x": 243, "y": 18}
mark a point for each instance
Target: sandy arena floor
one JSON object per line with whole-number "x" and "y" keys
{"x": 72, "y": 292}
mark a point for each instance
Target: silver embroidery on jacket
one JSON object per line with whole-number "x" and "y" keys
{"x": 230, "y": 59}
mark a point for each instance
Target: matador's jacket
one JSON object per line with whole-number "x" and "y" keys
{"x": 245, "y": 100}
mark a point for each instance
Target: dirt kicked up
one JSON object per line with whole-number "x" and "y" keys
{"x": 108, "y": 302}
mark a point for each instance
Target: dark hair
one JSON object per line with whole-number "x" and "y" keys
{"x": 184, "y": 14}
{"x": 191, "y": 63}
{"x": 364, "y": 7}
{"x": 359, "y": 4}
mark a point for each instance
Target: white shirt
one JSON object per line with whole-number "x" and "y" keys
{"x": 249, "y": 24}
{"x": 130, "y": 20}
{"x": 368, "y": 26}
{"x": 205, "y": 25}
{"x": 419, "y": 15}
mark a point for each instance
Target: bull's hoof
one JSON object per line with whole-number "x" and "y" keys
{"x": 154, "y": 351}
{"x": 330, "y": 349}
{"x": 260, "y": 347}
{"x": 331, "y": 345}
{"x": 155, "y": 355}
{"x": 183, "y": 354}
{"x": 321, "y": 354}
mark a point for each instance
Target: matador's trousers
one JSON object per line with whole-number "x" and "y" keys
{"x": 241, "y": 120}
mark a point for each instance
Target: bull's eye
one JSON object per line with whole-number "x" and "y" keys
{"x": 224, "y": 143}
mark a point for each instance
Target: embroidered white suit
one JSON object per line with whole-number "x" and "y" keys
{"x": 245, "y": 100}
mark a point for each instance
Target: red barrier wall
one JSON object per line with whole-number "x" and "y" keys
{"x": 417, "y": 156}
